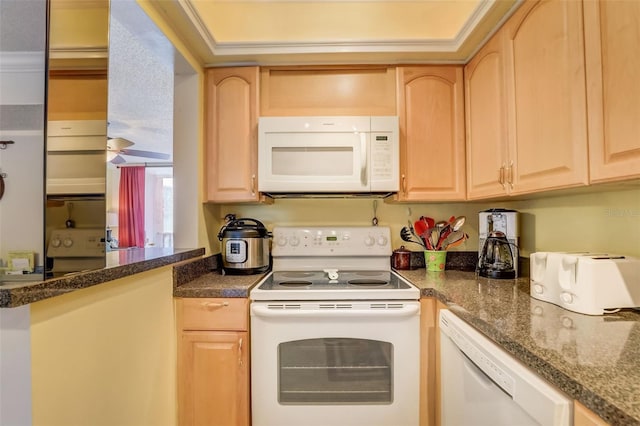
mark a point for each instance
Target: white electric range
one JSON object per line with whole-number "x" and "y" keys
{"x": 334, "y": 332}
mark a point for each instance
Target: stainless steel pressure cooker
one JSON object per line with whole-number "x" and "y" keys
{"x": 245, "y": 246}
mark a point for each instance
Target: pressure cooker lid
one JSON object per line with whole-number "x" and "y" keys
{"x": 244, "y": 228}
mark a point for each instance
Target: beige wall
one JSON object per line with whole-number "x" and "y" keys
{"x": 106, "y": 355}
{"x": 602, "y": 221}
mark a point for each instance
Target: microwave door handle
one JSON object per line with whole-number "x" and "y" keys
{"x": 363, "y": 159}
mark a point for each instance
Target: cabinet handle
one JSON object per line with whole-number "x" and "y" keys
{"x": 510, "y": 175}
{"x": 404, "y": 184}
{"x": 253, "y": 184}
{"x": 501, "y": 177}
{"x": 240, "y": 352}
{"x": 216, "y": 305}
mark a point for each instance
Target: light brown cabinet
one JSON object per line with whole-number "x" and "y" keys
{"x": 213, "y": 362}
{"x": 613, "y": 93}
{"x": 428, "y": 332}
{"x": 546, "y": 97}
{"x": 431, "y": 114}
{"x": 582, "y": 416}
{"x": 486, "y": 122}
{"x": 231, "y": 126}
{"x": 526, "y": 104}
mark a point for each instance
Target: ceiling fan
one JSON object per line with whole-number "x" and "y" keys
{"x": 117, "y": 147}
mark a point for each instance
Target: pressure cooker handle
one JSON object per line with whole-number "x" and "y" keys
{"x": 240, "y": 222}
{"x": 244, "y": 219}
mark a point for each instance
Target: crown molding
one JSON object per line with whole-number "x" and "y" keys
{"x": 223, "y": 49}
{"x": 22, "y": 61}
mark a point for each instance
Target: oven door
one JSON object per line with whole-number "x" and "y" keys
{"x": 342, "y": 363}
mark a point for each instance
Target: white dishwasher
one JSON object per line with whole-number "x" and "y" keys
{"x": 483, "y": 385}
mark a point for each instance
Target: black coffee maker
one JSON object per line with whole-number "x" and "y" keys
{"x": 497, "y": 257}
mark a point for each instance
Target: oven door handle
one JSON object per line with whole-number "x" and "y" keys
{"x": 259, "y": 310}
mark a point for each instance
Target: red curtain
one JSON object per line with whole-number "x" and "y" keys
{"x": 131, "y": 210}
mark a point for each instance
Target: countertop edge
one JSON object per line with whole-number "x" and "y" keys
{"x": 131, "y": 262}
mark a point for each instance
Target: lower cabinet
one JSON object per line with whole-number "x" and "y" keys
{"x": 213, "y": 362}
{"x": 582, "y": 416}
{"x": 430, "y": 362}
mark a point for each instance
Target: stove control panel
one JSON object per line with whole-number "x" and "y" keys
{"x": 332, "y": 241}
{"x": 76, "y": 242}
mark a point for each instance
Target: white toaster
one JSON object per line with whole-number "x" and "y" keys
{"x": 587, "y": 283}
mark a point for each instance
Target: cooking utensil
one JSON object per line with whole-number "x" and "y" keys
{"x": 70, "y": 223}
{"x": 420, "y": 227}
{"x": 435, "y": 236}
{"x": 452, "y": 226}
{"x": 455, "y": 239}
{"x": 374, "y": 221}
{"x": 429, "y": 221}
{"x": 407, "y": 235}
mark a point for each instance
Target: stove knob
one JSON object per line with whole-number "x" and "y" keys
{"x": 294, "y": 241}
{"x": 382, "y": 240}
{"x": 369, "y": 241}
{"x": 281, "y": 241}
{"x": 56, "y": 242}
{"x": 567, "y": 297}
{"x": 68, "y": 242}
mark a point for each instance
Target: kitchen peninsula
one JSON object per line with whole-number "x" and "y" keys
{"x": 100, "y": 341}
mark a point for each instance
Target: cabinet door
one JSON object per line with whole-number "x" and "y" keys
{"x": 213, "y": 384}
{"x": 613, "y": 94}
{"x": 231, "y": 134}
{"x": 546, "y": 96}
{"x": 431, "y": 110}
{"x": 486, "y": 120}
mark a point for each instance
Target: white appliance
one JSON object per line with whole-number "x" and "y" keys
{"x": 328, "y": 154}
{"x": 334, "y": 332}
{"x": 481, "y": 384}
{"x": 502, "y": 220}
{"x": 76, "y": 249}
{"x": 587, "y": 283}
{"x": 76, "y": 157}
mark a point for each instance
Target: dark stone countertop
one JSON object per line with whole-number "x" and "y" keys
{"x": 594, "y": 359}
{"x": 119, "y": 264}
{"x": 203, "y": 278}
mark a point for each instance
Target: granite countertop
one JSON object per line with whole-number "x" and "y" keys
{"x": 119, "y": 264}
{"x": 594, "y": 359}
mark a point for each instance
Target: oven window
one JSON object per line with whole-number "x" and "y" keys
{"x": 335, "y": 371}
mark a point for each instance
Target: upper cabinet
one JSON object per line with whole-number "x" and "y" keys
{"x": 431, "y": 113}
{"x": 613, "y": 93}
{"x": 526, "y": 104}
{"x": 232, "y": 135}
{"x": 486, "y": 122}
{"x": 546, "y": 99}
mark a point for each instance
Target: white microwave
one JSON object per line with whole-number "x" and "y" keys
{"x": 321, "y": 155}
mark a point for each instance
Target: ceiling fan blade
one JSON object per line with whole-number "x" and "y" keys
{"x": 118, "y": 160}
{"x": 147, "y": 154}
{"x": 117, "y": 144}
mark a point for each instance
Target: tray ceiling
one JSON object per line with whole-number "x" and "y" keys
{"x": 276, "y": 32}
